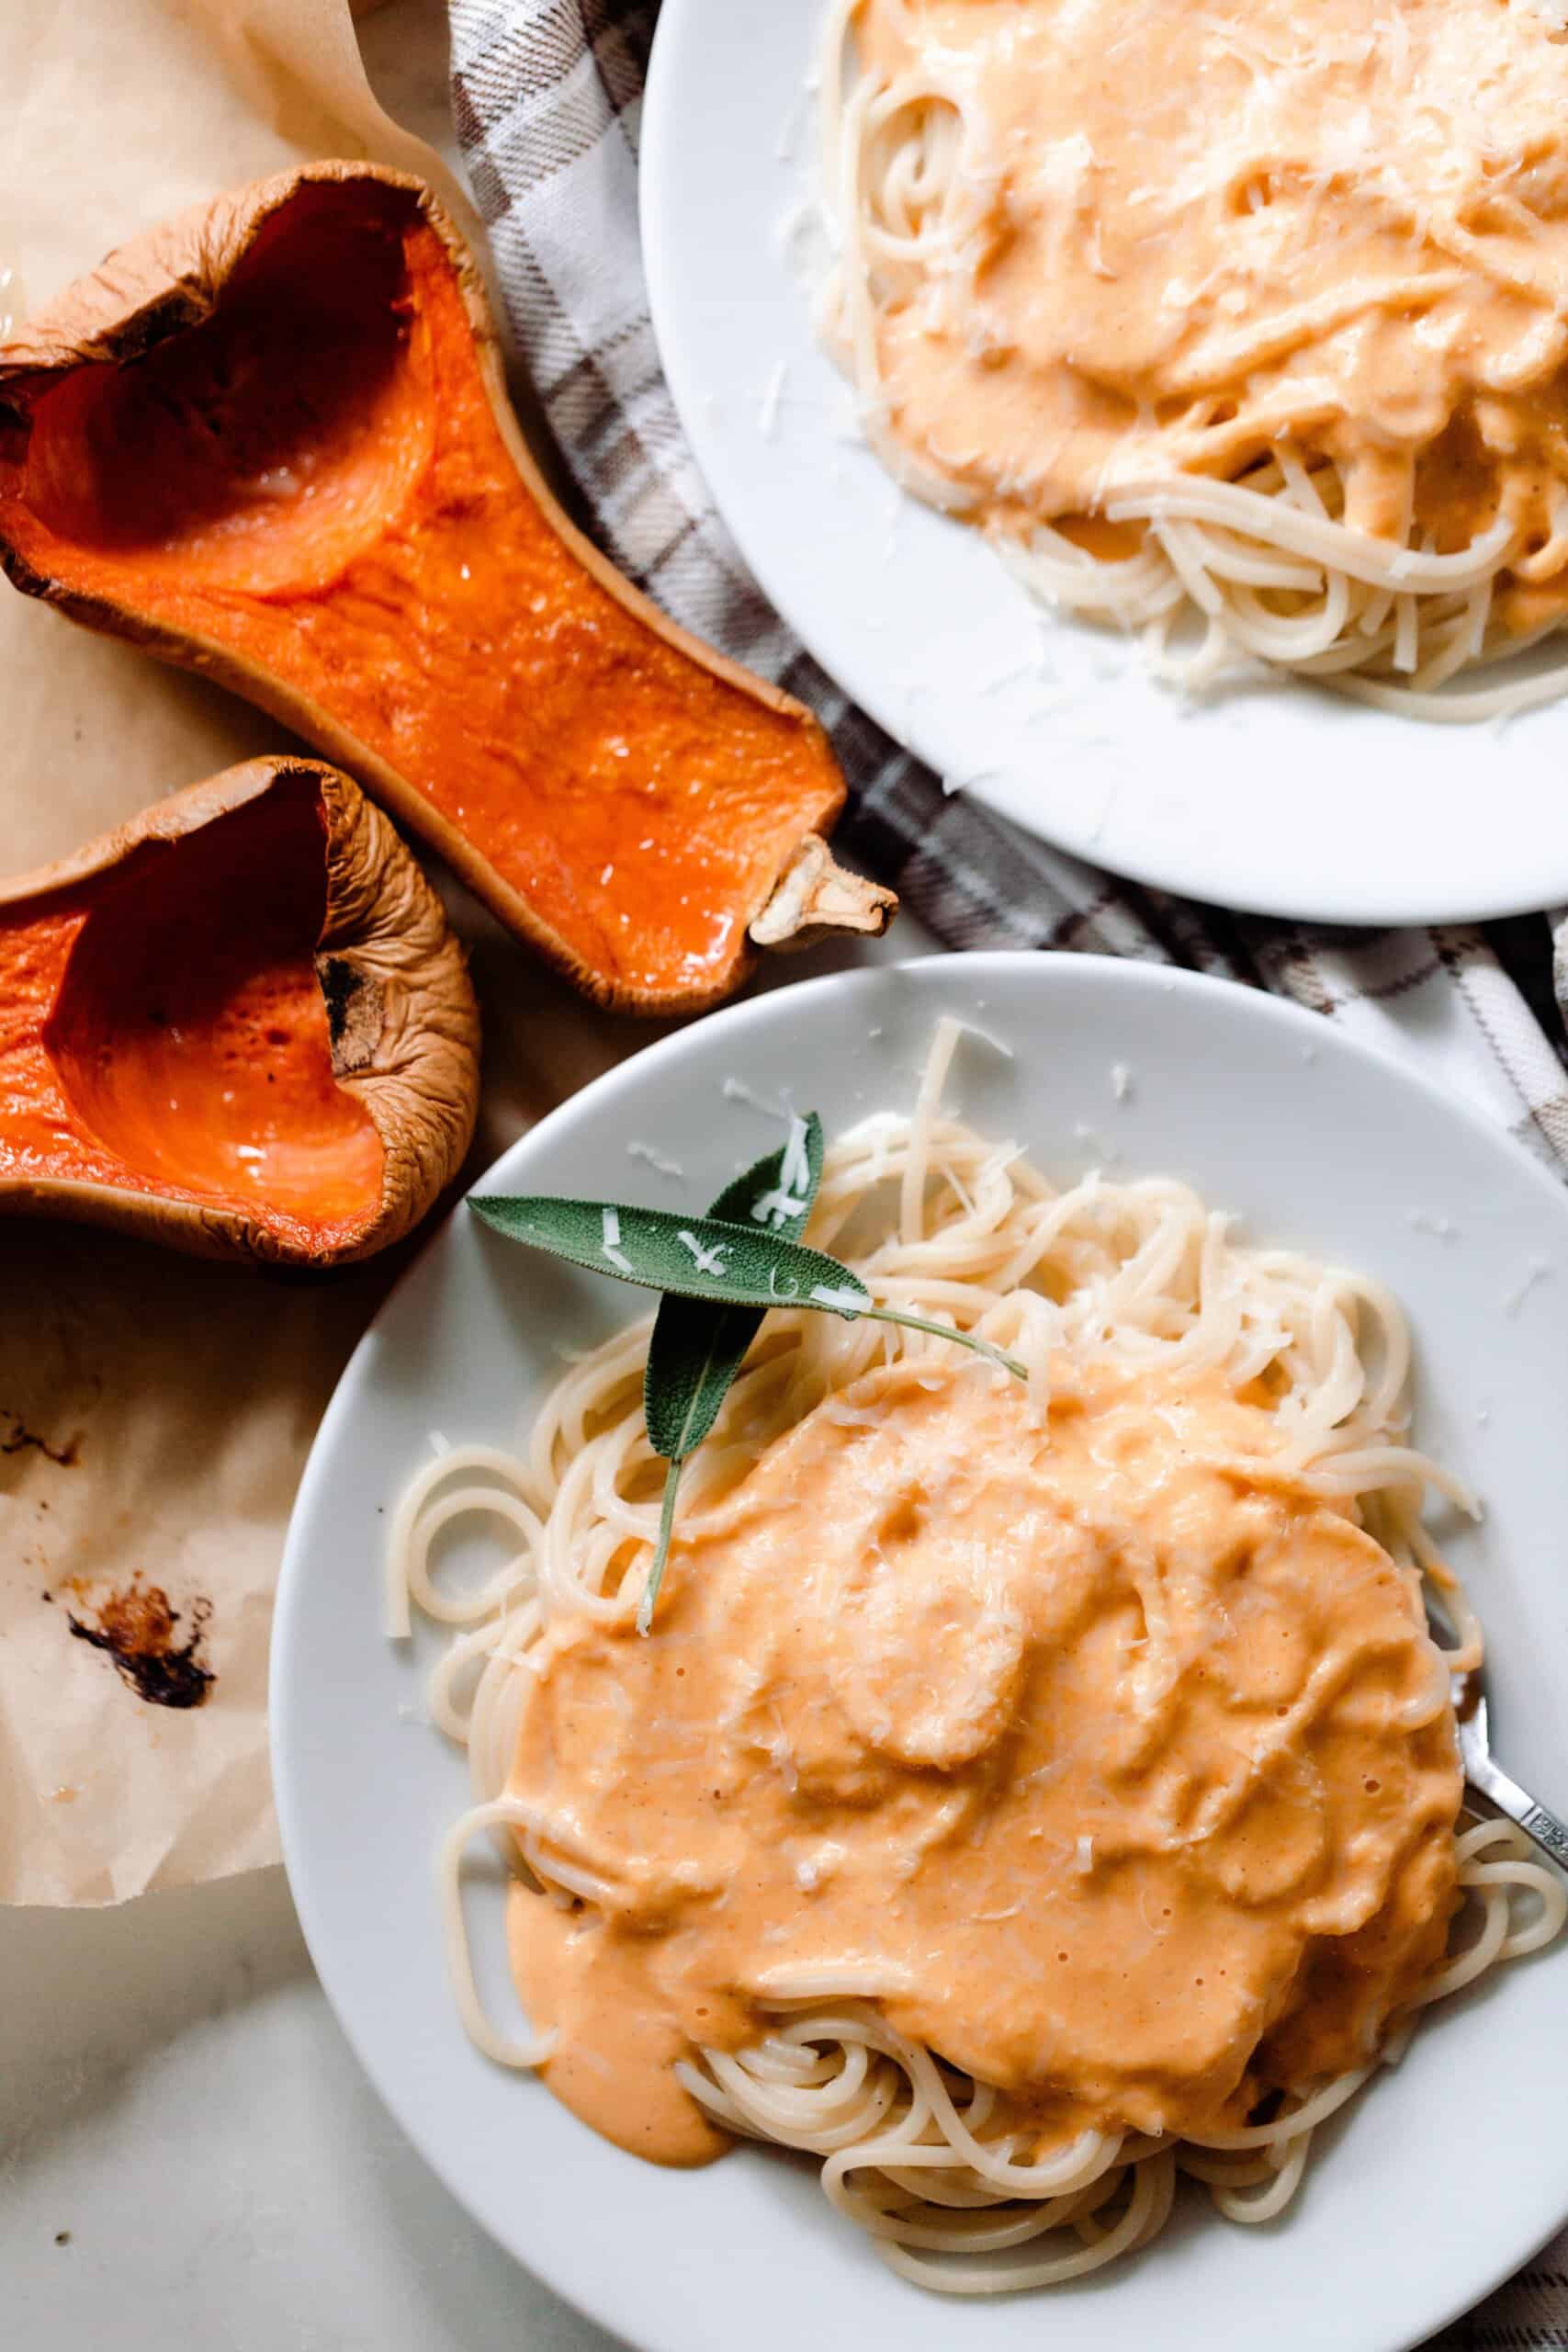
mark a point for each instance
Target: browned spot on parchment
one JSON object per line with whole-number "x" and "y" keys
{"x": 136, "y": 1628}
{"x": 18, "y": 1439}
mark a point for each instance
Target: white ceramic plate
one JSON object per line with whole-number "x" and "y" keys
{"x": 1284, "y": 799}
{"x": 1452, "y": 2170}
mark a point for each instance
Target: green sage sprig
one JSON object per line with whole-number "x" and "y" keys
{"x": 694, "y": 1257}
{"x": 720, "y": 1275}
{"x": 696, "y": 1349}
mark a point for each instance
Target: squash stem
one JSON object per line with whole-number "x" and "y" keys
{"x": 947, "y": 1332}
{"x": 644, "y": 1607}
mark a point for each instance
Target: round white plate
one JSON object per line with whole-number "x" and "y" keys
{"x": 1284, "y": 799}
{"x": 1453, "y": 2167}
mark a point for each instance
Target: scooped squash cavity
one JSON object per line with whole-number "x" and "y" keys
{"x": 240, "y": 1026}
{"x": 271, "y": 442}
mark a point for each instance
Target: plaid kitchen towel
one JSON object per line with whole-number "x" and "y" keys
{"x": 546, "y": 96}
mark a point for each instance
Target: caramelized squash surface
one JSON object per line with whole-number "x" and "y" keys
{"x": 312, "y": 493}
{"x": 195, "y": 1045}
{"x": 164, "y": 1037}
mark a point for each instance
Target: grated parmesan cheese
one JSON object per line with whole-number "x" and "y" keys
{"x": 609, "y": 1248}
{"x": 707, "y": 1261}
{"x": 655, "y": 1159}
{"x": 838, "y": 1296}
{"x": 1537, "y": 1271}
{"x": 773, "y": 396}
{"x": 735, "y": 1090}
{"x": 776, "y": 1208}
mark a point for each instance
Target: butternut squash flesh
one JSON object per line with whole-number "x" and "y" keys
{"x": 190, "y": 1040}
{"x": 174, "y": 1056}
{"x": 300, "y": 474}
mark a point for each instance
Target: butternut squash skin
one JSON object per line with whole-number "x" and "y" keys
{"x": 271, "y": 442}
{"x": 240, "y": 1026}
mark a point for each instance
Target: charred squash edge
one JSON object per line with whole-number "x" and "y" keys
{"x": 171, "y": 278}
{"x": 402, "y": 1021}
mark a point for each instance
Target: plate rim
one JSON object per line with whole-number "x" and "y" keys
{"x": 578, "y": 2286}
{"x": 1370, "y": 900}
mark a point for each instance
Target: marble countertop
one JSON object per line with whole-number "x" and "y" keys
{"x": 189, "y": 2153}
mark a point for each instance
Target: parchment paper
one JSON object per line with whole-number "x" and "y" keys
{"x": 155, "y": 1413}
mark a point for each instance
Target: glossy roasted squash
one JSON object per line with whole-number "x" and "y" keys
{"x": 271, "y": 442}
{"x": 240, "y": 1026}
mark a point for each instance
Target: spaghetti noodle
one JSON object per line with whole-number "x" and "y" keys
{"x": 1219, "y": 325}
{"x": 1128, "y": 1301}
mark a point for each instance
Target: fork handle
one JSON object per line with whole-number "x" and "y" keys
{"x": 1538, "y": 1822}
{"x": 1548, "y": 1832}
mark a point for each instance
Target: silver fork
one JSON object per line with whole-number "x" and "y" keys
{"x": 1537, "y": 1822}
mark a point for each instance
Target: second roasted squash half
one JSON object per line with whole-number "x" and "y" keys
{"x": 240, "y": 1026}
{"x": 271, "y": 442}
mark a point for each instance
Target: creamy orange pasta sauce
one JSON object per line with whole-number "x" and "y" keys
{"x": 1112, "y": 1761}
{"x": 1099, "y": 245}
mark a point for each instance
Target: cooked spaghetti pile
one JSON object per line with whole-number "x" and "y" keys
{"x": 1027, "y": 1794}
{"x": 1241, "y": 331}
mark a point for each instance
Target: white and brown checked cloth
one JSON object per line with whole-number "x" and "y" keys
{"x": 546, "y": 97}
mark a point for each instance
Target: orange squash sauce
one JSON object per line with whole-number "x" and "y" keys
{"x": 161, "y": 1027}
{"x": 315, "y": 481}
{"x": 1107, "y": 1758}
{"x": 1191, "y": 234}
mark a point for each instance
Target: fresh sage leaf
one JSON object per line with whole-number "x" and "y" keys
{"x": 695, "y": 1257}
{"x": 706, "y": 1258}
{"x": 696, "y": 1349}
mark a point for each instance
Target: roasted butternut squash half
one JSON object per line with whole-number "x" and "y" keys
{"x": 271, "y": 442}
{"x": 240, "y": 1026}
